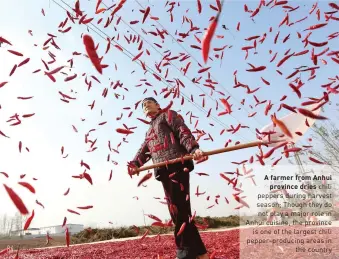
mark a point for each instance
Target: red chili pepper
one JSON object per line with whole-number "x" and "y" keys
{"x": 265, "y": 81}
{"x": 3, "y": 40}
{"x": 29, "y": 220}
{"x": 206, "y": 42}
{"x": 315, "y": 160}
{"x": 124, "y": 131}
{"x": 119, "y": 6}
{"x": 334, "y": 6}
{"x": 138, "y": 56}
{"x": 310, "y": 114}
{"x": 39, "y": 203}
{"x": 256, "y": 69}
{"x": 67, "y": 238}
{"x": 256, "y": 11}
{"x": 3, "y": 84}
{"x": 13, "y": 70}
{"x": 199, "y": 6}
{"x": 91, "y": 52}
{"x": 182, "y": 228}
{"x": 282, "y": 61}
{"x": 317, "y": 26}
{"x": 281, "y": 125}
{"x": 24, "y": 62}
{"x": 85, "y": 207}
{"x": 69, "y": 78}
{"x": 5, "y": 174}
{"x": 16, "y": 200}
{"x": 28, "y": 186}
{"x": 269, "y": 153}
{"x": 88, "y": 178}
{"x": 64, "y": 222}
{"x": 275, "y": 55}
{"x": 154, "y": 217}
{"x": 158, "y": 224}
{"x": 238, "y": 199}
{"x": 6, "y": 250}
{"x": 15, "y": 53}
{"x": 293, "y": 149}
{"x": 148, "y": 9}
{"x": 203, "y": 70}
{"x": 318, "y": 44}
{"x": 276, "y": 161}
{"x": 145, "y": 178}
{"x": 72, "y": 211}
{"x": 301, "y": 53}
{"x": 292, "y": 109}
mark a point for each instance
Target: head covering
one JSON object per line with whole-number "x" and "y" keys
{"x": 150, "y": 99}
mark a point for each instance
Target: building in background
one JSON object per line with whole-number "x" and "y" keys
{"x": 57, "y": 230}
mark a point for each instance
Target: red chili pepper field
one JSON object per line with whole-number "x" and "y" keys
{"x": 221, "y": 245}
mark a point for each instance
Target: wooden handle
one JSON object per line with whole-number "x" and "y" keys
{"x": 208, "y": 153}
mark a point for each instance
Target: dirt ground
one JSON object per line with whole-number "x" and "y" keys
{"x": 31, "y": 243}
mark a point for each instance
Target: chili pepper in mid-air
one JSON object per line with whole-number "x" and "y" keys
{"x": 145, "y": 178}
{"x": 256, "y": 69}
{"x": 88, "y": 178}
{"x": 315, "y": 160}
{"x": 206, "y": 42}
{"x": 85, "y": 207}
{"x": 72, "y": 211}
{"x": 182, "y": 228}
{"x": 15, "y": 53}
{"x": 3, "y": 84}
{"x": 3, "y": 40}
{"x": 29, "y": 220}
{"x": 91, "y": 52}
{"x": 199, "y": 6}
{"x": 39, "y": 203}
{"x": 64, "y": 222}
{"x": 281, "y": 125}
{"x": 154, "y": 217}
{"x": 124, "y": 131}
{"x": 28, "y": 186}
{"x": 16, "y": 200}
{"x": 148, "y": 9}
{"x": 310, "y": 114}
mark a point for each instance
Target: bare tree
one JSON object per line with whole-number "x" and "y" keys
{"x": 4, "y": 223}
{"x": 18, "y": 221}
{"x": 10, "y": 225}
{"x": 2, "y": 230}
{"x": 328, "y": 151}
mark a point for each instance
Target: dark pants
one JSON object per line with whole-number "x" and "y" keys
{"x": 189, "y": 243}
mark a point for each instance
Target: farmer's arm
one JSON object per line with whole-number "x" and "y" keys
{"x": 142, "y": 156}
{"x": 182, "y": 132}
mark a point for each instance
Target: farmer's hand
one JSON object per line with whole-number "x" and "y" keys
{"x": 132, "y": 170}
{"x": 198, "y": 156}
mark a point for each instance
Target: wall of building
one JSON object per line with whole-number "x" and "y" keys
{"x": 52, "y": 230}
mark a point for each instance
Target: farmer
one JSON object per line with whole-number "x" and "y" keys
{"x": 168, "y": 138}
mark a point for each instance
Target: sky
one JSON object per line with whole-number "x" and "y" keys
{"x": 51, "y": 127}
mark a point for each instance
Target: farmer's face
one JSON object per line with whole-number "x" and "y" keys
{"x": 150, "y": 107}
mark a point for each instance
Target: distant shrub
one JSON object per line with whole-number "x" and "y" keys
{"x": 93, "y": 235}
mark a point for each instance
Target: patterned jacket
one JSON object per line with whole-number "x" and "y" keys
{"x": 167, "y": 138}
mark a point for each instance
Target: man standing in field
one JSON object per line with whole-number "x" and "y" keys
{"x": 168, "y": 138}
